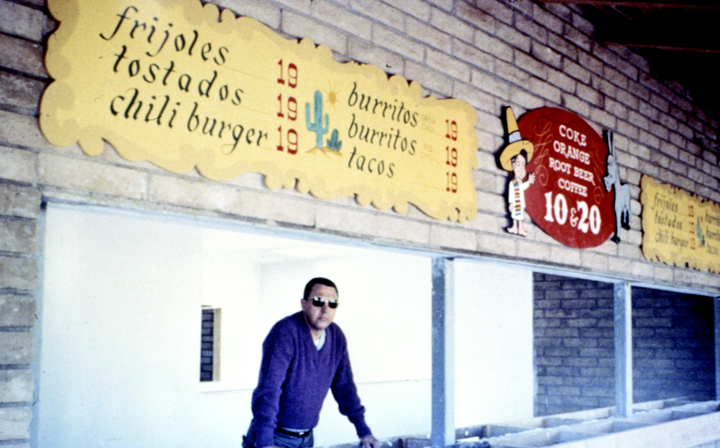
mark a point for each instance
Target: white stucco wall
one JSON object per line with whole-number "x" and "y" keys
{"x": 121, "y": 305}
{"x": 494, "y": 373}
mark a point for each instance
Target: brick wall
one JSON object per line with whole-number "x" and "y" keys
{"x": 574, "y": 344}
{"x": 22, "y": 80}
{"x": 489, "y": 53}
{"x": 19, "y": 208}
{"x": 673, "y": 345}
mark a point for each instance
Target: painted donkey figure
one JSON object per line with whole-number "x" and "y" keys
{"x": 622, "y": 191}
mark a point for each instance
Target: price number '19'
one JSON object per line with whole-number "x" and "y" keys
{"x": 451, "y": 158}
{"x": 287, "y": 109}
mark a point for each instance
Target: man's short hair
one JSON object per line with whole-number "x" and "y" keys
{"x": 318, "y": 281}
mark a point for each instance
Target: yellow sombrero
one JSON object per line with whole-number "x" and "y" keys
{"x": 515, "y": 144}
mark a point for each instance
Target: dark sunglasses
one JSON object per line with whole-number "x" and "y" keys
{"x": 319, "y": 302}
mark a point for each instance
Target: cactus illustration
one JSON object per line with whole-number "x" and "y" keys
{"x": 699, "y": 233}
{"x": 316, "y": 126}
{"x": 333, "y": 142}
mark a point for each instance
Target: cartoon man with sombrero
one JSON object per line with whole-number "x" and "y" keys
{"x": 513, "y": 158}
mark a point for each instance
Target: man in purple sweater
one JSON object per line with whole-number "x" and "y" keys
{"x": 304, "y": 356}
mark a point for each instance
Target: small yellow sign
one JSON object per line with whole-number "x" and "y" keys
{"x": 679, "y": 228}
{"x": 184, "y": 85}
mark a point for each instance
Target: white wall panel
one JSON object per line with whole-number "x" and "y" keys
{"x": 494, "y": 376}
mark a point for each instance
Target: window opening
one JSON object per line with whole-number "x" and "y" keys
{"x": 210, "y": 344}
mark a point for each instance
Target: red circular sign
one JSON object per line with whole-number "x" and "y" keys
{"x": 568, "y": 199}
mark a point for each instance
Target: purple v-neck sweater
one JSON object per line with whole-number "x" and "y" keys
{"x": 295, "y": 378}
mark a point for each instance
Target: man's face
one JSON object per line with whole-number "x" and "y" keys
{"x": 319, "y": 318}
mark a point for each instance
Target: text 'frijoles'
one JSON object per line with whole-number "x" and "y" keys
{"x": 175, "y": 97}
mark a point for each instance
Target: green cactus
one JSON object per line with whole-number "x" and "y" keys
{"x": 316, "y": 126}
{"x": 699, "y": 233}
{"x": 333, "y": 143}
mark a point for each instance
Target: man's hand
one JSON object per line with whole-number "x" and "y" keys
{"x": 369, "y": 441}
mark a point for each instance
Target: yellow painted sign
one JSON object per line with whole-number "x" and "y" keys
{"x": 183, "y": 85}
{"x": 679, "y": 228}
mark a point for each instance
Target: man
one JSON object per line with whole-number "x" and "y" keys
{"x": 304, "y": 356}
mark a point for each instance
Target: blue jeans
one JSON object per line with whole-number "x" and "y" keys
{"x": 286, "y": 441}
{"x": 283, "y": 441}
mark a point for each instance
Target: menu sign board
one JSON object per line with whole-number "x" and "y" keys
{"x": 679, "y": 228}
{"x": 184, "y": 86}
{"x": 568, "y": 198}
